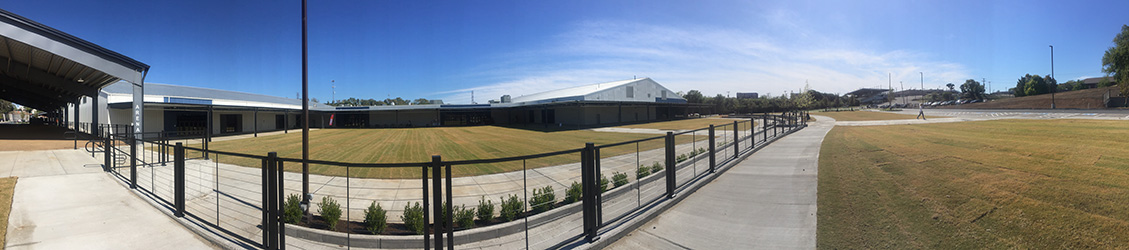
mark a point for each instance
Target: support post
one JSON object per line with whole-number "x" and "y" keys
{"x": 426, "y": 214}
{"x": 713, "y": 153}
{"x": 107, "y": 154}
{"x": 178, "y": 179}
{"x": 449, "y": 218}
{"x": 598, "y": 190}
{"x": 256, "y": 117}
{"x": 765, "y": 131}
{"x": 437, "y": 199}
{"x": 94, "y": 115}
{"x": 208, "y": 132}
{"x": 265, "y": 180}
{"x": 132, "y": 159}
{"x": 279, "y": 192}
{"x": 670, "y": 183}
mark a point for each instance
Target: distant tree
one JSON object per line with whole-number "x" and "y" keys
{"x": 1035, "y": 85}
{"x": 951, "y": 86}
{"x": 1115, "y": 62}
{"x": 694, "y": 96}
{"x": 6, "y": 106}
{"x": 315, "y": 100}
{"x": 1105, "y": 82}
{"x": 1020, "y": 89}
{"x": 421, "y": 101}
{"x": 971, "y": 89}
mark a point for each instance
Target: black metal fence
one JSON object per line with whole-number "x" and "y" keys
{"x": 559, "y": 197}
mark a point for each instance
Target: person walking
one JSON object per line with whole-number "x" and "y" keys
{"x": 920, "y": 112}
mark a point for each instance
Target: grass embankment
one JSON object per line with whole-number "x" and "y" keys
{"x": 1038, "y": 184}
{"x": 689, "y": 124}
{"x": 7, "y": 188}
{"x": 866, "y": 116}
{"x": 402, "y": 145}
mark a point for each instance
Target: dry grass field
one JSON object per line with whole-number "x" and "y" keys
{"x": 1026, "y": 184}
{"x": 866, "y": 116}
{"x": 399, "y": 145}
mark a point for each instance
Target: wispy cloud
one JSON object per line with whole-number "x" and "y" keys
{"x": 714, "y": 60}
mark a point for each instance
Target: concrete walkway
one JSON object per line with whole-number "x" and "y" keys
{"x": 63, "y": 200}
{"x": 767, "y": 201}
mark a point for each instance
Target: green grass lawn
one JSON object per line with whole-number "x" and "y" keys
{"x": 7, "y": 188}
{"x": 688, "y": 124}
{"x": 400, "y": 145}
{"x": 1027, "y": 184}
{"x": 866, "y": 116}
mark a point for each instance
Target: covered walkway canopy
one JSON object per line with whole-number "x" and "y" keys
{"x": 44, "y": 68}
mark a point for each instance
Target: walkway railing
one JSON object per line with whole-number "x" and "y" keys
{"x": 546, "y": 201}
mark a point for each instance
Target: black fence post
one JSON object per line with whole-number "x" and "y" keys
{"x": 106, "y": 152}
{"x": 736, "y": 140}
{"x": 427, "y": 214}
{"x": 713, "y": 154}
{"x": 178, "y": 179}
{"x": 587, "y": 194}
{"x": 437, "y": 198}
{"x": 266, "y": 197}
{"x": 670, "y": 183}
{"x": 598, "y": 190}
{"x": 765, "y": 131}
{"x": 280, "y": 191}
{"x": 132, "y": 159}
{"x": 449, "y": 218}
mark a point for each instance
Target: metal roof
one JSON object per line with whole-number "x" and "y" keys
{"x": 573, "y": 92}
{"x": 175, "y": 91}
{"x": 45, "y": 68}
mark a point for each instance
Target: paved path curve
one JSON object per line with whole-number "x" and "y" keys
{"x": 766, "y": 201}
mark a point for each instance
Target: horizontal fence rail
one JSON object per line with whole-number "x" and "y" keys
{"x": 554, "y": 199}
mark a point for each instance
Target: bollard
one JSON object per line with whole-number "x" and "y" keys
{"x": 670, "y": 181}
{"x": 736, "y": 140}
{"x": 588, "y": 190}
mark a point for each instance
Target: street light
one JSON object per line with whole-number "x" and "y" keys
{"x": 1053, "y": 87}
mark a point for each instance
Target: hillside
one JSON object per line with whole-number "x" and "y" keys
{"x": 1078, "y": 99}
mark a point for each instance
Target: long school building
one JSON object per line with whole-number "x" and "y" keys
{"x": 188, "y": 111}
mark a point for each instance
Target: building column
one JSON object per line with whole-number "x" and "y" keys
{"x": 94, "y": 115}
{"x": 256, "y": 129}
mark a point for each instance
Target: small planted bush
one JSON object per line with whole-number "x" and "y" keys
{"x": 485, "y": 210}
{"x": 657, "y": 167}
{"x": 603, "y": 183}
{"x": 681, "y": 158}
{"x": 292, "y": 210}
{"x": 465, "y": 217}
{"x": 511, "y": 208}
{"x": 376, "y": 219}
{"x": 702, "y": 150}
{"x": 543, "y": 199}
{"x": 574, "y": 193}
{"x": 330, "y": 211}
{"x": 619, "y": 179}
{"x": 642, "y": 171}
{"x": 413, "y": 218}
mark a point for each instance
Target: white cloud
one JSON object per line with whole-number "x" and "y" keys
{"x": 710, "y": 59}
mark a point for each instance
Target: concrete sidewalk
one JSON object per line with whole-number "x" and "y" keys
{"x": 766, "y": 201}
{"x": 63, "y": 200}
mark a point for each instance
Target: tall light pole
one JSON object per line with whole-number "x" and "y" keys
{"x": 305, "y": 111}
{"x": 903, "y": 92}
{"x": 1053, "y": 87}
{"x": 333, "y": 98}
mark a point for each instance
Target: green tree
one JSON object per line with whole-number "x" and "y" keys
{"x": 1035, "y": 85}
{"x": 6, "y": 106}
{"x": 971, "y": 89}
{"x": 694, "y": 96}
{"x": 421, "y": 101}
{"x": 951, "y": 86}
{"x": 1115, "y": 62}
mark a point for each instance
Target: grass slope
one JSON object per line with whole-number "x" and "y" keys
{"x": 866, "y": 116}
{"x": 995, "y": 184}
{"x": 690, "y": 124}
{"x": 1078, "y": 99}
{"x": 418, "y": 144}
{"x": 7, "y": 188}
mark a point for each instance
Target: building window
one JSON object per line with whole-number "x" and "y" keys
{"x": 630, "y": 91}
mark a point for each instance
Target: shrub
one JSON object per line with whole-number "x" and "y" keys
{"x": 543, "y": 199}
{"x": 642, "y": 171}
{"x": 465, "y": 217}
{"x": 603, "y": 183}
{"x": 681, "y": 158}
{"x": 485, "y": 210}
{"x": 376, "y": 219}
{"x": 619, "y": 179}
{"x": 693, "y": 153}
{"x": 657, "y": 167}
{"x": 573, "y": 194}
{"x": 413, "y": 218}
{"x": 511, "y": 208}
{"x": 330, "y": 211}
{"x": 292, "y": 210}
{"x": 702, "y": 150}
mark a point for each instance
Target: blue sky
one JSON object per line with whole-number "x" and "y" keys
{"x": 446, "y": 49}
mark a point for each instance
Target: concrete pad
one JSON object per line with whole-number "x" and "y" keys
{"x": 89, "y": 211}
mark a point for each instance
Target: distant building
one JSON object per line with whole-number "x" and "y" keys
{"x": 870, "y": 96}
{"x": 752, "y": 95}
{"x": 506, "y": 99}
{"x": 1093, "y": 82}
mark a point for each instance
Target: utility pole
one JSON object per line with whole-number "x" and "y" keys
{"x": 305, "y": 112}
{"x": 333, "y": 98}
